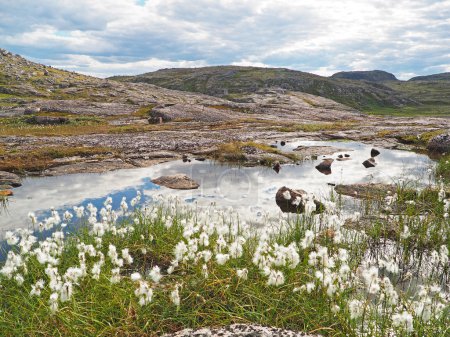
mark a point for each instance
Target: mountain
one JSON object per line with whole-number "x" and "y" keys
{"x": 435, "y": 77}
{"x": 371, "y": 76}
{"x": 232, "y": 82}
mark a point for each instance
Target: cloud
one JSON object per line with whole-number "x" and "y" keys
{"x": 321, "y": 36}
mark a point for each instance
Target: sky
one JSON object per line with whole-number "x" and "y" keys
{"x": 117, "y": 37}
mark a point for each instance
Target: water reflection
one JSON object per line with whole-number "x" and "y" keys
{"x": 248, "y": 190}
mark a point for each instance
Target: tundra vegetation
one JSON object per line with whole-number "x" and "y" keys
{"x": 157, "y": 268}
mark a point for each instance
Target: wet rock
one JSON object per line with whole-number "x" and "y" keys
{"x": 6, "y": 193}
{"x": 340, "y": 156}
{"x": 7, "y": 178}
{"x": 369, "y": 163}
{"x": 325, "y": 166}
{"x": 346, "y": 155}
{"x": 200, "y": 159}
{"x": 282, "y": 143}
{"x": 46, "y": 120}
{"x": 294, "y": 200}
{"x": 366, "y": 190}
{"x": 374, "y": 152}
{"x": 240, "y": 330}
{"x": 440, "y": 143}
{"x": 276, "y": 166}
{"x": 185, "y": 158}
{"x": 176, "y": 182}
{"x": 315, "y": 151}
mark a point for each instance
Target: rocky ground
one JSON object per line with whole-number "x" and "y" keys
{"x": 42, "y": 107}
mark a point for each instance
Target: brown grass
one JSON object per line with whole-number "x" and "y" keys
{"x": 42, "y": 158}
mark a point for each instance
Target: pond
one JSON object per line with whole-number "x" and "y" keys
{"x": 248, "y": 190}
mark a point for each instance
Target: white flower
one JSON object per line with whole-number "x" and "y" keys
{"x": 356, "y": 309}
{"x": 66, "y": 291}
{"x": 144, "y": 293}
{"x": 115, "y": 275}
{"x": 36, "y": 288}
{"x": 53, "y": 302}
{"x": 276, "y": 278}
{"x": 135, "y": 276}
{"x": 222, "y": 258}
{"x": 175, "y": 296}
{"x": 155, "y": 274}
{"x": 287, "y": 195}
{"x": 242, "y": 273}
{"x": 403, "y": 321}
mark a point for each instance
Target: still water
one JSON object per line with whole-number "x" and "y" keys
{"x": 248, "y": 190}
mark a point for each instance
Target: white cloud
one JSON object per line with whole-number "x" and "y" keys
{"x": 405, "y": 36}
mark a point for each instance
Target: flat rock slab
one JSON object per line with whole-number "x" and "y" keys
{"x": 176, "y": 182}
{"x": 240, "y": 330}
{"x": 315, "y": 151}
{"x": 366, "y": 191}
{"x": 11, "y": 179}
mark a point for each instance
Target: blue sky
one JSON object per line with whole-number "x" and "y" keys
{"x": 108, "y": 37}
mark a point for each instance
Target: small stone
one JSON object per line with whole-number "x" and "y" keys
{"x": 369, "y": 163}
{"x": 177, "y": 182}
{"x": 374, "y": 152}
{"x": 325, "y": 166}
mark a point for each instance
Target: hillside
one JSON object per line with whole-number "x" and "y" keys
{"x": 371, "y": 76}
{"x": 232, "y": 82}
{"x": 435, "y": 77}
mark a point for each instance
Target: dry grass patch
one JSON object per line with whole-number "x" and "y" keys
{"x": 42, "y": 158}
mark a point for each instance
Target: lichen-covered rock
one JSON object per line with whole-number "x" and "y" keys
{"x": 440, "y": 143}
{"x": 176, "y": 182}
{"x": 240, "y": 330}
{"x": 7, "y": 178}
{"x": 294, "y": 201}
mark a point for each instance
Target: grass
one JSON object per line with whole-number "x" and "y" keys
{"x": 443, "y": 168}
{"x": 315, "y": 127}
{"x": 42, "y": 158}
{"x": 235, "y": 152}
{"x": 101, "y": 308}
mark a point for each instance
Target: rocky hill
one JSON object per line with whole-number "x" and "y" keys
{"x": 435, "y": 77}
{"x": 233, "y": 82}
{"x": 371, "y": 76}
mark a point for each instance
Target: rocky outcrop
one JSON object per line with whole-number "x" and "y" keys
{"x": 440, "y": 143}
{"x": 11, "y": 179}
{"x": 294, "y": 200}
{"x": 176, "y": 182}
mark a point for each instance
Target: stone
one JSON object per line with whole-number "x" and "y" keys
{"x": 240, "y": 330}
{"x": 369, "y": 163}
{"x": 7, "y": 178}
{"x": 200, "y": 159}
{"x": 325, "y": 166}
{"x": 366, "y": 190}
{"x": 440, "y": 143}
{"x": 176, "y": 182}
{"x": 282, "y": 143}
{"x": 374, "y": 152}
{"x": 276, "y": 166}
{"x": 46, "y": 120}
{"x": 290, "y": 205}
{"x": 31, "y": 111}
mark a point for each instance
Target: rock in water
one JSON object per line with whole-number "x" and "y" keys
{"x": 293, "y": 201}
{"x": 176, "y": 182}
{"x": 440, "y": 143}
{"x": 374, "y": 153}
{"x": 325, "y": 166}
{"x": 369, "y": 163}
{"x": 7, "y": 178}
{"x": 276, "y": 167}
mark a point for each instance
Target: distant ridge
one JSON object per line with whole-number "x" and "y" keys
{"x": 371, "y": 76}
{"x": 435, "y": 77}
{"x": 231, "y": 82}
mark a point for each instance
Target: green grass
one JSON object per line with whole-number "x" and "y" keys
{"x": 411, "y": 111}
